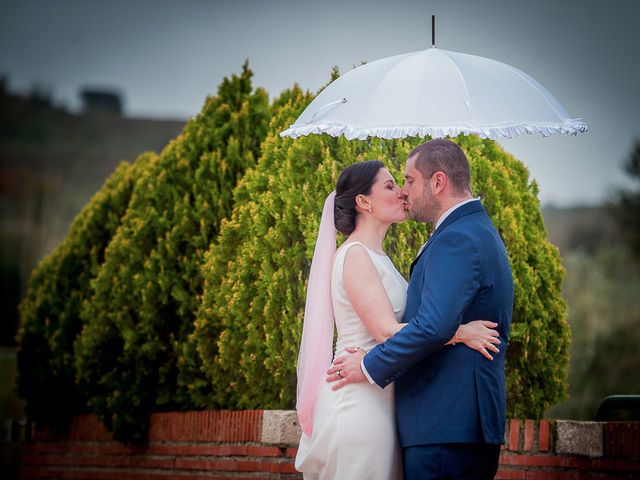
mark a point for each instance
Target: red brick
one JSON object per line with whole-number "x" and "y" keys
{"x": 622, "y": 439}
{"x": 544, "y": 436}
{"x": 258, "y": 423}
{"x": 84, "y": 461}
{"x": 221, "y": 465}
{"x": 109, "y": 475}
{"x": 88, "y": 427}
{"x": 212, "y": 426}
{"x": 510, "y": 474}
{"x": 603, "y": 464}
{"x": 514, "y": 434}
{"x": 82, "y": 427}
{"x": 577, "y": 463}
{"x": 540, "y": 475}
{"x": 627, "y": 466}
{"x": 103, "y": 448}
{"x": 236, "y": 426}
{"x": 256, "y": 451}
{"x": 528, "y": 435}
{"x": 175, "y": 450}
{"x": 580, "y": 463}
{"x": 171, "y": 463}
{"x": 223, "y": 444}
{"x": 531, "y": 460}
{"x": 281, "y": 468}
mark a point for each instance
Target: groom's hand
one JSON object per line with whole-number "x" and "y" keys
{"x": 346, "y": 369}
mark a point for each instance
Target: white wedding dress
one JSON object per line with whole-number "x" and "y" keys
{"x": 354, "y": 428}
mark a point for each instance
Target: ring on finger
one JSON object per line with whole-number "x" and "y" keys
{"x": 340, "y": 373}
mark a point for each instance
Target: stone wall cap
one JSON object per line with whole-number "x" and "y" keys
{"x": 579, "y": 438}
{"x": 280, "y": 427}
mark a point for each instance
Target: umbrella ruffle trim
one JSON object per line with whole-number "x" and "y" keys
{"x": 569, "y": 127}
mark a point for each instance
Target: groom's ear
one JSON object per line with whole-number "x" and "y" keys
{"x": 439, "y": 182}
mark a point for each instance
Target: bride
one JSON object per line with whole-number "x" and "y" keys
{"x": 350, "y": 433}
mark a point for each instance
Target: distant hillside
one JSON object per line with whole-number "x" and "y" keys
{"x": 582, "y": 228}
{"x": 84, "y": 149}
{"x": 51, "y": 163}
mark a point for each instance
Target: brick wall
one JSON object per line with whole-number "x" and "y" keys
{"x": 563, "y": 449}
{"x": 262, "y": 444}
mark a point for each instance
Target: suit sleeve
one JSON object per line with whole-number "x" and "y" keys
{"x": 451, "y": 280}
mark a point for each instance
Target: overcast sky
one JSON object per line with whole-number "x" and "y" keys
{"x": 166, "y": 56}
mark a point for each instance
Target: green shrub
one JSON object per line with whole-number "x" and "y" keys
{"x": 50, "y": 312}
{"x": 537, "y": 355}
{"x": 187, "y": 272}
{"x": 248, "y": 327}
{"x": 145, "y": 294}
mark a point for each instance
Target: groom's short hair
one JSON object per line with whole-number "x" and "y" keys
{"x": 440, "y": 155}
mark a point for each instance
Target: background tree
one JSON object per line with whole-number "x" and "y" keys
{"x": 198, "y": 299}
{"x": 248, "y": 327}
{"x": 601, "y": 253}
{"x": 50, "y": 312}
{"x": 628, "y": 205}
{"x": 146, "y": 292}
{"x": 602, "y": 288}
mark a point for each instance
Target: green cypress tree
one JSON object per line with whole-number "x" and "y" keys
{"x": 248, "y": 327}
{"x": 145, "y": 294}
{"x": 50, "y": 312}
{"x": 537, "y": 355}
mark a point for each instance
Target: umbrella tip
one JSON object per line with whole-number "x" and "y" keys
{"x": 433, "y": 31}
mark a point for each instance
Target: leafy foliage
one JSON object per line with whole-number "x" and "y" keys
{"x": 537, "y": 355}
{"x": 248, "y": 327}
{"x": 602, "y": 289}
{"x": 192, "y": 289}
{"x": 145, "y": 293}
{"x": 50, "y": 311}
{"x": 628, "y": 205}
{"x": 249, "y": 324}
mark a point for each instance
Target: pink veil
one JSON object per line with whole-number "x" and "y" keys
{"x": 316, "y": 345}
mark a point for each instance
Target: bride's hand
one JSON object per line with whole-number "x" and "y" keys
{"x": 479, "y": 335}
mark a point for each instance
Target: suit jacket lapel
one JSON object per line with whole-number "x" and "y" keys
{"x": 466, "y": 209}
{"x": 415, "y": 260}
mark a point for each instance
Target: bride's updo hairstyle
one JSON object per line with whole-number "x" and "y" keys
{"x": 354, "y": 180}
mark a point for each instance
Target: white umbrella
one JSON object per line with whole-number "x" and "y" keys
{"x": 438, "y": 93}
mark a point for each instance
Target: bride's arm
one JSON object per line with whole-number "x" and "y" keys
{"x": 370, "y": 301}
{"x": 479, "y": 335}
{"x": 367, "y": 294}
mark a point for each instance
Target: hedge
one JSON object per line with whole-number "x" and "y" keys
{"x": 191, "y": 284}
{"x": 146, "y": 292}
{"x": 50, "y": 311}
{"x": 249, "y": 323}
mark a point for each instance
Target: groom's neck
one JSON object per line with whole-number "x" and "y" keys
{"x": 448, "y": 204}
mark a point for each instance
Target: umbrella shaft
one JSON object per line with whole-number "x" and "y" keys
{"x": 433, "y": 31}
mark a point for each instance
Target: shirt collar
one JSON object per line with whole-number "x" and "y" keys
{"x": 448, "y": 212}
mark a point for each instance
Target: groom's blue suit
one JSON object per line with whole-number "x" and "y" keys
{"x": 450, "y": 394}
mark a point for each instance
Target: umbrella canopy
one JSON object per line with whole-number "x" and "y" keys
{"x": 438, "y": 93}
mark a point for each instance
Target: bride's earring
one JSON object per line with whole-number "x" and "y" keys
{"x": 369, "y": 208}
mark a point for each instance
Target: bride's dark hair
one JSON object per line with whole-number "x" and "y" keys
{"x": 354, "y": 180}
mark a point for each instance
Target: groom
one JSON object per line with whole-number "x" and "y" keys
{"x": 450, "y": 400}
